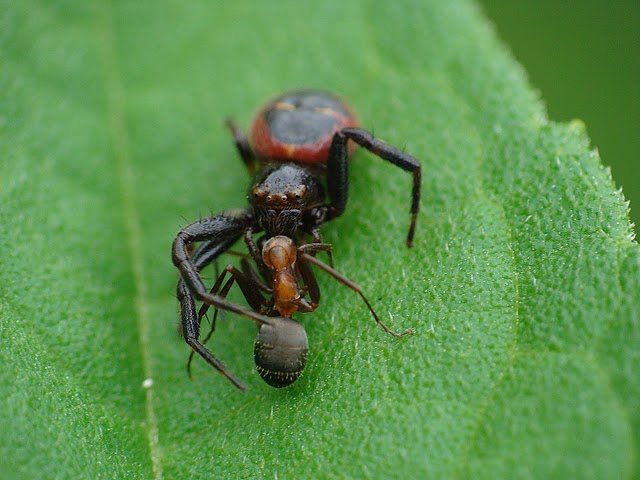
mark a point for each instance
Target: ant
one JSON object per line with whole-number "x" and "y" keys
{"x": 280, "y": 349}
{"x": 299, "y": 146}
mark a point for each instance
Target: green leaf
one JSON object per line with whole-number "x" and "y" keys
{"x": 523, "y": 284}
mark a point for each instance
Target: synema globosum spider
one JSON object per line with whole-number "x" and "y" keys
{"x": 298, "y": 149}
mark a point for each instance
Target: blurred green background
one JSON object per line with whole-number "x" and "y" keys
{"x": 584, "y": 58}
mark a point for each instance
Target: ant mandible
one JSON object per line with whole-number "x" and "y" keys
{"x": 299, "y": 147}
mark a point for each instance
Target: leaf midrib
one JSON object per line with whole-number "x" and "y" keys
{"x": 119, "y": 138}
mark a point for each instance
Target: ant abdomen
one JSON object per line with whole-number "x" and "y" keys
{"x": 280, "y": 351}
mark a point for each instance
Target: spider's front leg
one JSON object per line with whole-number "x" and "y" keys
{"x": 338, "y": 175}
{"x": 217, "y": 234}
{"x": 250, "y": 288}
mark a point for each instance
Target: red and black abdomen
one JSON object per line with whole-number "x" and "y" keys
{"x": 298, "y": 126}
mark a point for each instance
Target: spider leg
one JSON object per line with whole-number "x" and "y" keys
{"x": 249, "y": 287}
{"x": 250, "y": 290}
{"x": 217, "y": 234}
{"x": 338, "y": 176}
{"x": 224, "y": 229}
{"x": 191, "y": 332}
{"x": 242, "y": 144}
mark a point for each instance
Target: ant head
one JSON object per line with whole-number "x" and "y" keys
{"x": 279, "y": 253}
{"x": 280, "y": 351}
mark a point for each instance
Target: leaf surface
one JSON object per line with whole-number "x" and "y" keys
{"x": 522, "y": 286}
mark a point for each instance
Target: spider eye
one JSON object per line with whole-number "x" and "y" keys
{"x": 283, "y": 198}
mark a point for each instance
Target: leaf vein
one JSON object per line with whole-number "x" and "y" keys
{"x": 116, "y": 104}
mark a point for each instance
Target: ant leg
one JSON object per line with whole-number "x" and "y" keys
{"x": 308, "y": 277}
{"x": 242, "y": 144}
{"x": 337, "y": 171}
{"x": 256, "y": 254}
{"x": 250, "y": 291}
{"x": 304, "y": 257}
{"x": 317, "y": 238}
{"x": 249, "y": 270}
{"x": 255, "y": 278}
{"x": 204, "y": 308}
